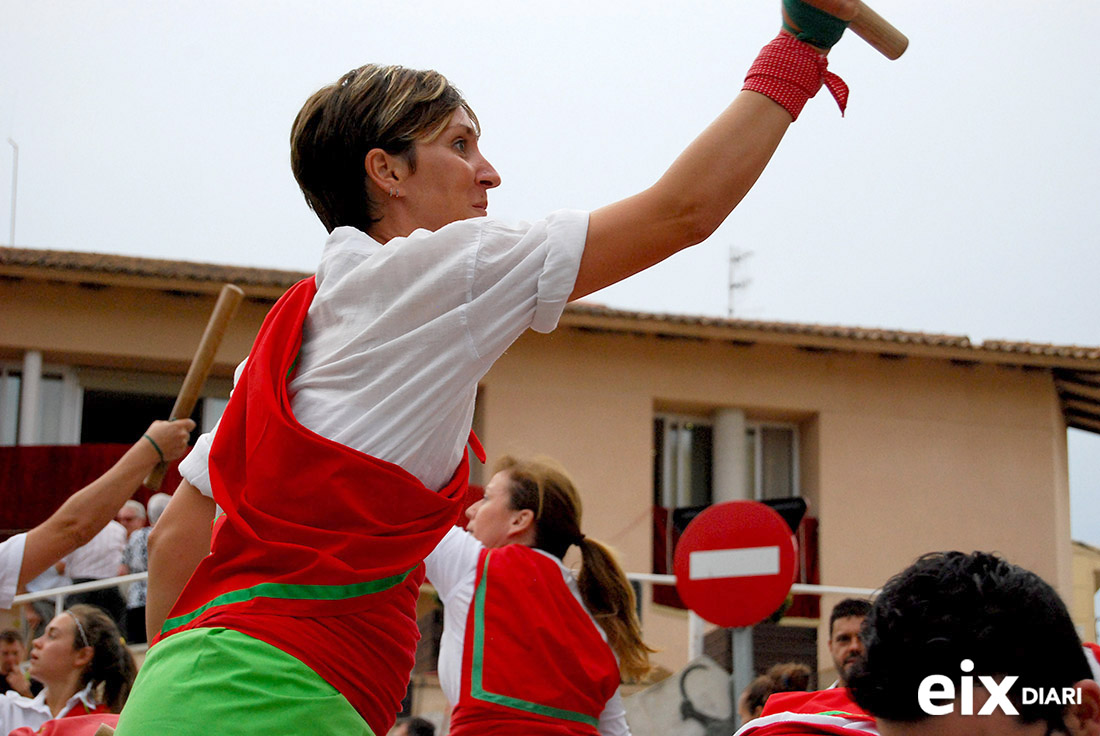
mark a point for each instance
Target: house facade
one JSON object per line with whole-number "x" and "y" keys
{"x": 900, "y": 443}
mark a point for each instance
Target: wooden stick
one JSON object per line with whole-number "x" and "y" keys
{"x": 872, "y": 28}
{"x": 877, "y": 31}
{"x": 228, "y": 300}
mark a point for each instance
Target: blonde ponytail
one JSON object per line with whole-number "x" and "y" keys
{"x": 609, "y": 597}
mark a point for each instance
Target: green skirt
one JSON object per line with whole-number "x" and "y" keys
{"x": 220, "y": 681}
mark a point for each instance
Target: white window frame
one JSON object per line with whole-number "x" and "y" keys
{"x": 72, "y": 401}
{"x": 679, "y": 486}
{"x": 758, "y": 456}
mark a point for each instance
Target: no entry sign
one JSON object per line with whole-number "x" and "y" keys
{"x": 734, "y": 564}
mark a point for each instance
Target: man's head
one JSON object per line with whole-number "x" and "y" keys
{"x": 845, "y": 645}
{"x": 131, "y": 516}
{"x": 12, "y": 650}
{"x": 158, "y": 502}
{"x": 990, "y": 635}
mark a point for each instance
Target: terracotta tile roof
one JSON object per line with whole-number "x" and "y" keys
{"x": 106, "y": 264}
{"x": 784, "y": 328}
{"x": 883, "y": 337}
{"x": 86, "y": 266}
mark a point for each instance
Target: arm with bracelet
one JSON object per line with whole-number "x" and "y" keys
{"x": 88, "y": 510}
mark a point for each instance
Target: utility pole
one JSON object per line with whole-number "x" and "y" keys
{"x": 736, "y": 259}
{"x": 14, "y": 183}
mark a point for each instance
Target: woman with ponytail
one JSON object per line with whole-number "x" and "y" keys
{"x": 529, "y": 648}
{"x": 84, "y": 665}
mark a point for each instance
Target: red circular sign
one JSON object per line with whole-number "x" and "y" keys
{"x": 734, "y": 563}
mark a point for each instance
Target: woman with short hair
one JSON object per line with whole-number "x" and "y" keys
{"x": 340, "y": 460}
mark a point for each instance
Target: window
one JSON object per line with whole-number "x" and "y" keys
{"x": 684, "y": 453}
{"x": 9, "y": 405}
{"x": 771, "y": 460}
{"x": 682, "y": 471}
{"x": 97, "y": 405}
{"x": 121, "y": 416}
{"x": 58, "y": 415}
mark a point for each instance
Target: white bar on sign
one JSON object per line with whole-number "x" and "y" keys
{"x": 733, "y": 563}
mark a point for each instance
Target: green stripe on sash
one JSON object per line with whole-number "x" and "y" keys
{"x": 290, "y": 591}
{"x": 477, "y": 689}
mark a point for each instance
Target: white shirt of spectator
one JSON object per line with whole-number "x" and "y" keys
{"x": 17, "y": 711}
{"x": 11, "y": 561}
{"x": 100, "y": 557}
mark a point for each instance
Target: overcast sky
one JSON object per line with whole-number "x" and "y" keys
{"x": 957, "y": 196}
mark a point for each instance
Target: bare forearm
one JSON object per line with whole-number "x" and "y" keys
{"x": 88, "y": 510}
{"x": 713, "y": 174}
{"x": 694, "y": 197}
{"x": 178, "y": 542}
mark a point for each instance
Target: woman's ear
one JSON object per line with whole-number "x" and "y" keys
{"x": 1083, "y": 719}
{"x": 387, "y": 171}
{"x": 522, "y": 521}
{"x": 84, "y": 656}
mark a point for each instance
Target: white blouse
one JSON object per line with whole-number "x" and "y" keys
{"x": 399, "y": 335}
{"x": 17, "y": 711}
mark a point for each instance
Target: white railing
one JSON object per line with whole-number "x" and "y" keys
{"x": 696, "y": 626}
{"x": 58, "y": 594}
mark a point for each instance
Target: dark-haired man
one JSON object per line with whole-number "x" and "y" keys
{"x": 956, "y": 644}
{"x": 845, "y": 645}
{"x": 972, "y": 644}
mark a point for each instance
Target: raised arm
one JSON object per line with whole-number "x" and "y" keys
{"x": 178, "y": 542}
{"x": 706, "y": 181}
{"x": 88, "y": 510}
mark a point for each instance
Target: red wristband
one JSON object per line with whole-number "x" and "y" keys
{"x": 790, "y": 72}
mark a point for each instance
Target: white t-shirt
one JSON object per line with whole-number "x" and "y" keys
{"x": 100, "y": 557}
{"x": 452, "y": 570}
{"x": 399, "y": 335}
{"x": 17, "y": 711}
{"x": 11, "y": 561}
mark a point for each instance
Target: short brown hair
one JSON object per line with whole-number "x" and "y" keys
{"x": 784, "y": 677}
{"x": 386, "y": 107}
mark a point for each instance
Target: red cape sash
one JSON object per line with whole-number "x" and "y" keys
{"x": 534, "y": 662}
{"x": 319, "y": 550}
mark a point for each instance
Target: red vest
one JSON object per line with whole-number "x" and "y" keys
{"x": 825, "y": 712}
{"x": 534, "y": 662}
{"x": 312, "y": 528}
{"x": 84, "y": 723}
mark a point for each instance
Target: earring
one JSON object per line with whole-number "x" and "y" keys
{"x": 394, "y": 193}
